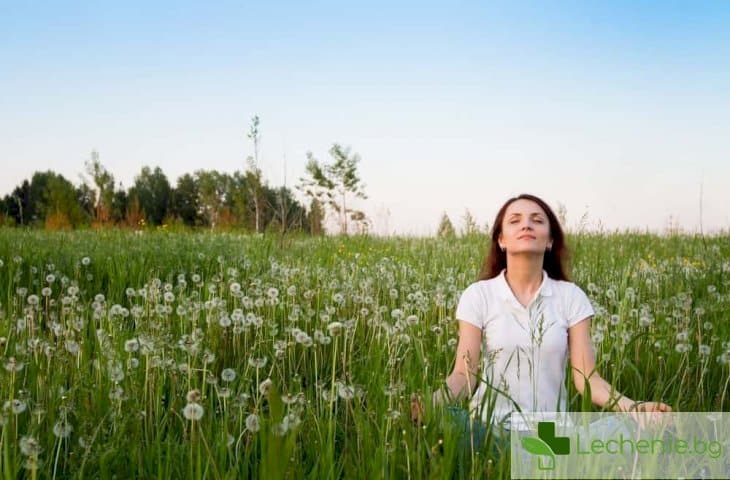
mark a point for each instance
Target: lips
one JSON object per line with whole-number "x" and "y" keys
{"x": 526, "y": 236}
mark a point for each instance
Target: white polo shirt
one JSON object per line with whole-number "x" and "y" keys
{"x": 524, "y": 350}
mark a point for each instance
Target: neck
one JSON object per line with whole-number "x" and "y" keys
{"x": 524, "y": 274}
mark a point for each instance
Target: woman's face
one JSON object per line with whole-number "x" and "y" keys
{"x": 525, "y": 228}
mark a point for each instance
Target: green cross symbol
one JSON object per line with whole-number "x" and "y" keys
{"x": 547, "y": 445}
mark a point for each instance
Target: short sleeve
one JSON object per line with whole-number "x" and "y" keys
{"x": 471, "y": 307}
{"x": 579, "y": 307}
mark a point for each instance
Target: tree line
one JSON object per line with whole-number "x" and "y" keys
{"x": 205, "y": 198}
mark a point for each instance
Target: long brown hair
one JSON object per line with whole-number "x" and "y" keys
{"x": 555, "y": 259}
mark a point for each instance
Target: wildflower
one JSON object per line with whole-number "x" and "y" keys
{"x": 193, "y": 411}
{"x": 335, "y": 328}
{"x": 116, "y": 394}
{"x": 293, "y": 420}
{"x": 224, "y": 321}
{"x": 208, "y": 357}
{"x": 253, "y": 424}
{"x": 32, "y": 300}
{"x": 392, "y": 414}
{"x": 235, "y": 288}
{"x": 682, "y": 336}
{"x": 412, "y": 320}
{"x": 131, "y": 345}
{"x": 46, "y": 291}
{"x": 18, "y": 406}
{"x": 723, "y": 359}
{"x": 265, "y": 386}
{"x": 291, "y": 290}
{"x": 396, "y": 313}
{"x": 169, "y": 297}
{"x": 29, "y": 446}
{"x": 12, "y": 365}
{"x": 272, "y": 292}
{"x": 704, "y": 350}
{"x": 85, "y": 261}
{"x": 257, "y": 362}
{"x": 681, "y": 348}
{"x": 72, "y": 347}
{"x": 346, "y": 392}
{"x": 645, "y": 321}
{"x": 228, "y": 375}
{"x": 279, "y": 429}
{"x": 615, "y": 319}
{"x": 338, "y": 298}
{"x": 193, "y": 396}
{"x": 62, "y": 429}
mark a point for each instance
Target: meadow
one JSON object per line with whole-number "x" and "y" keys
{"x": 198, "y": 355}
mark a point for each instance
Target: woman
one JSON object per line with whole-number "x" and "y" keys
{"x": 528, "y": 317}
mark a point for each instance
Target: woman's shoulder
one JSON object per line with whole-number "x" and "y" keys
{"x": 567, "y": 288}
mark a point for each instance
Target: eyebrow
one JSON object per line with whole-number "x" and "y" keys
{"x": 533, "y": 214}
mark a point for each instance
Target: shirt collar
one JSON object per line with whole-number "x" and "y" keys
{"x": 505, "y": 292}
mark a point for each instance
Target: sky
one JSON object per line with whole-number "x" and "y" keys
{"x": 619, "y": 111}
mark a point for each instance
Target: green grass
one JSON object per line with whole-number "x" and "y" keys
{"x": 341, "y": 366}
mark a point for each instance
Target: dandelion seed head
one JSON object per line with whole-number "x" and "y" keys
{"x": 29, "y": 446}
{"x": 257, "y": 362}
{"x": 62, "y": 429}
{"x": 228, "y": 375}
{"x": 193, "y": 411}
{"x": 253, "y": 423}
{"x": 193, "y": 396}
{"x": 265, "y": 386}
{"x": 131, "y": 345}
{"x": 335, "y": 328}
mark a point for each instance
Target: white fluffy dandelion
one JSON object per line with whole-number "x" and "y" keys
{"x": 228, "y": 375}
{"x": 193, "y": 411}
{"x": 253, "y": 423}
{"x": 131, "y": 345}
{"x": 259, "y": 362}
{"x": 335, "y": 328}
{"x": 62, "y": 429}
{"x": 266, "y": 386}
{"x": 29, "y": 446}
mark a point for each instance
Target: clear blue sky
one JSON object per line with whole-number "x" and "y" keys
{"x": 620, "y": 110}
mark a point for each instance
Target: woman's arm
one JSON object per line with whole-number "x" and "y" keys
{"x": 583, "y": 365}
{"x": 463, "y": 379}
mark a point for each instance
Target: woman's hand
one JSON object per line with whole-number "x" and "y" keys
{"x": 648, "y": 413}
{"x": 417, "y": 409}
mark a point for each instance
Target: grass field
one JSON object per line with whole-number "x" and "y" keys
{"x": 180, "y": 355}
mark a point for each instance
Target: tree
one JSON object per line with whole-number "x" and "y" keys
{"x": 17, "y": 203}
{"x": 104, "y": 182}
{"x": 334, "y": 182}
{"x": 254, "y": 176}
{"x": 152, "y": 190}
{"x": 60, "y": 205}
{"x": 446, "y": 228}
{"x": 316, "y": 217}
{"x": 211, "y": 186}
{"x": 185, "y": 202}
{"x": 119, "y": 205}
{"x": 470, "y": 224}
